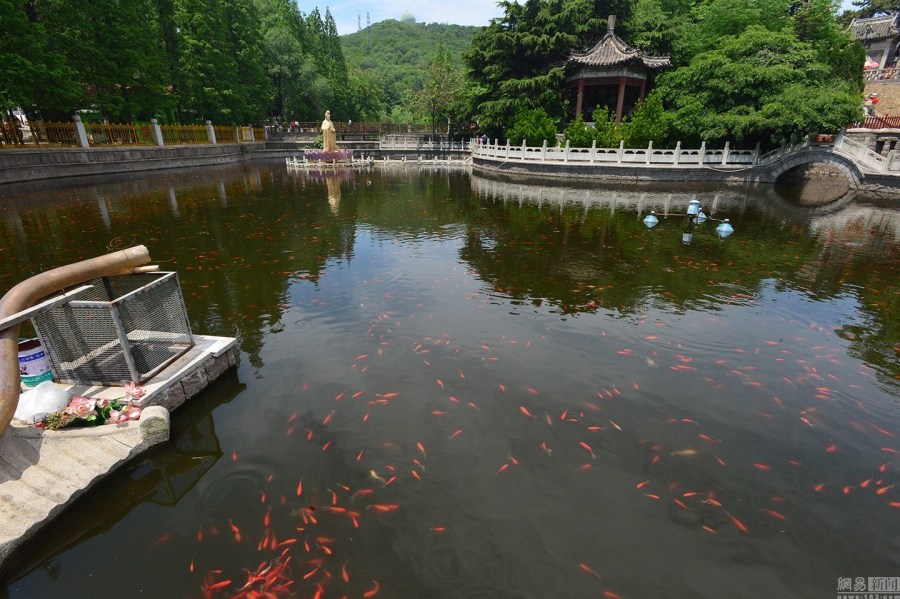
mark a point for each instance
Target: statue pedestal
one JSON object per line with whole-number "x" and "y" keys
{"x": 323, "y": 156}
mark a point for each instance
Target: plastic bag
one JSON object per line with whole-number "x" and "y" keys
{"x": 43, "y": 399}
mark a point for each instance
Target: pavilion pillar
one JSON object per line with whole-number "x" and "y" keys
{"x": 643, "y": 89}
{"x": 620, "y": 104}
{"x": 579, "y": 102}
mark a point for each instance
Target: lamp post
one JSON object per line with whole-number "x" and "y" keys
{"x": 695, "y": 216}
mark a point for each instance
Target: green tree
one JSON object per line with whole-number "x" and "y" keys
{"x": 870, "y": 8}
{"x": 32, "y": 74}
{"x": 713, "y": 20}
{"x": 655, "y": 24}
{"x": 534, "y": 126}
{"x": 206, "y": 66}
{"x": 366, "y": 96}
{"x": 760, "y": 85}
{"x": 221, "y": 61}
{"x": 397, "y": 54}
{"x": 607, "y": 132}
{"x": 284, "y": 61}
{"x": 442, "y": 89}
{"x": 114, "y": 49}
{"x": 517, "y": 61}
{"x": 250, "y": 93}
{"x": 578, "y": 134}
{"x": 335, "y": 65}
{"x": 815, "y": 22}
{"x": 650, "y": 122}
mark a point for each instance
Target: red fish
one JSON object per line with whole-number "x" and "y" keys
{"x": 373, "y": 591}
{"x": 586, "y": 568}
{"x": 738, "y": 523}
{"x": 588, "y": 449}
{"x": 217, "y": 586}
{"x": 776, "y": 515}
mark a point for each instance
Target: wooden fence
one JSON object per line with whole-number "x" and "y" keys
{"x": 13, "y": 134}
{"x": 878, "y": 122}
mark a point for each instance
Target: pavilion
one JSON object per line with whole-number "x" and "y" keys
{"x": 611, "y": 66}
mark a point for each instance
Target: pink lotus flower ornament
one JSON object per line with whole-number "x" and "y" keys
{"x": 133, "y": 391}
{"x": 82, "y": 406}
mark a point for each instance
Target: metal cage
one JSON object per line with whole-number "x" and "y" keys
{"x": 121, "y": 329}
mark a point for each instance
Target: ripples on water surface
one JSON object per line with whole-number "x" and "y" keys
{"x": 451, "y": 386}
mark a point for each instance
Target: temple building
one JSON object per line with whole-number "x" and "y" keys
{"x": 611, "y": 74}
{"x": 880, "y": 36}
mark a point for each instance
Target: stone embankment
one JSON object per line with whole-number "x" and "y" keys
{"x": 31, "y": 165}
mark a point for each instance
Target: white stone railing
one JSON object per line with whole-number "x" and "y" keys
{"x": 566, "y": 154}
{"x": 414, "y": 143}
{"x": 863, "y": 155}
{"x": 679, "y": 156}
{"x": 781, "y": 152}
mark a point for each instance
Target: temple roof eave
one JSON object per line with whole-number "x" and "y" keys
{"x": 875, "y": 28}
{"x": 612, "y": 51}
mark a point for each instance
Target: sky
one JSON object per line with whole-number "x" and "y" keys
{"x": 457, "y": 12}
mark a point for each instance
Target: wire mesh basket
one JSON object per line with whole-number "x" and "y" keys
{"x": 120, "y": 329}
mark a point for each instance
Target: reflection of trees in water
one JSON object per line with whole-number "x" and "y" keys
{"x": 583, "y": 249}
{"x": 238, "y": 236}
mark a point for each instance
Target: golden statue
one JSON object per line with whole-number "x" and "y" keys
{"x": 329, "y": 134}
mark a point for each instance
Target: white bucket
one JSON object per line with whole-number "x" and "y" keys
{"x": 34, "y": 368}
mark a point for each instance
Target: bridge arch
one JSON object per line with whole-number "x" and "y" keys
{"x": 817, "y": 156}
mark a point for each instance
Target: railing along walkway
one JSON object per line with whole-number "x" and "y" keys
{"x": 413, "y": 143}
{"x": 726, "y": 157}
{"x": 632, "y": 156}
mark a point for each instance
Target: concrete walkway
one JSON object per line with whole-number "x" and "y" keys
{"x": 43, "y": 472}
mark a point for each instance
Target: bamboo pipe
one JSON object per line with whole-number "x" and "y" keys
{"x": 28, "y": 292}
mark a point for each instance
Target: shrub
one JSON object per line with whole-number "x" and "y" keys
{"x": 534, "y": 126}
{"x": 606, "y": 131}
{"x": 578, "y": 134}
{"x": 649, "y": 123}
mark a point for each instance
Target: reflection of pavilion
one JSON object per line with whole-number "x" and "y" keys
{"x": 607, "y": 71}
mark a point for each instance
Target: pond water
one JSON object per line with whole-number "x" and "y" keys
{"x": 454, "y": 386}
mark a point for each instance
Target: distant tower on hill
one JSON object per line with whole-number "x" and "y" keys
{"x": 407, "y": 17}
{"x": 358, "y": 22}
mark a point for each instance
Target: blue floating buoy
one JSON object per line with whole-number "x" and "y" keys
{"x": 725, "y": 229}
{"x": 693, "y": 208}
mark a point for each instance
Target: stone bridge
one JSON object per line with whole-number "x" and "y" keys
{"x": 770, "y": 171}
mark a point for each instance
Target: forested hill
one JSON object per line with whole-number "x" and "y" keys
{"x": 397, "y": 53}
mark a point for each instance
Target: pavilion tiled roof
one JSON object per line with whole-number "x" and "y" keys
{"x": 875, "y": 28}
{"x": 612, "y": 51}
